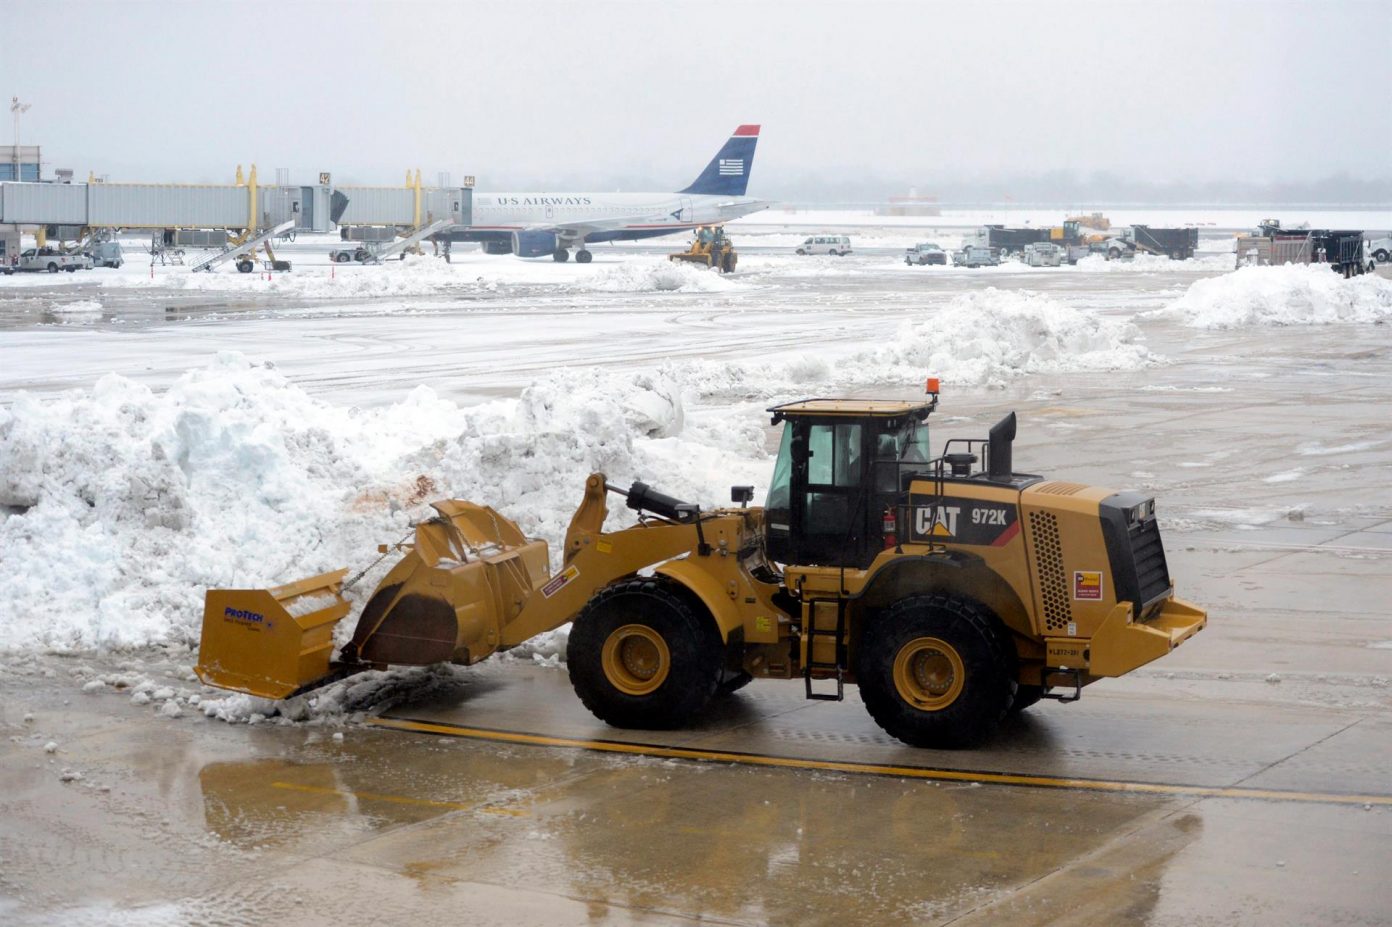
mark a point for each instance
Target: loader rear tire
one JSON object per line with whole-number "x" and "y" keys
{"x": 640, "y": 657}
{"x": 932, "y": 672}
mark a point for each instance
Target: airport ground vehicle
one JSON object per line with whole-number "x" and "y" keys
{"x": 1379, "y": 247}
{"x": 926, "y": 252}
{"x": 838, "y": 245}
{"x": 951, "y": 593}
{"x": 1093, "y": 220}
{"x": 973, "y": 255}
{"x": 1346, "y": 252}
{"x": 361, "y": 252}
{"x": 1178, "y": 244}
{"x": 105, "y": 254}
{"x": 711, "y": 248}
{"x": 1042, "y": 254}
{"x": 1008, "y": 241}
{"x": 9, "y": 251}
{"x": 52, "y": 260}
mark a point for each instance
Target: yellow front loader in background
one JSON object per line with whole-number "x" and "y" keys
{"x": 952, "y": 590}
{"x": 711, "y": 248}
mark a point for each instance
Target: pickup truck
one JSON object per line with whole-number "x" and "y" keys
{"x": 53, "y": 260}
{"x": 925, "y": 253}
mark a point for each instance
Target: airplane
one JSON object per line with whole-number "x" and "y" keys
{"x": 538, "y": 224}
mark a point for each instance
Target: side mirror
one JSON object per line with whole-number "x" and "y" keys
{"x": 741, "y": 494}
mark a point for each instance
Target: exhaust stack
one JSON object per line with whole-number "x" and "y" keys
{"x": 1001, "y": 442}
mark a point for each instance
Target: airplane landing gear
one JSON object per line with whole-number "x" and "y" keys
{"x": 560, "y": 255}
{"x": 582, "y": 256}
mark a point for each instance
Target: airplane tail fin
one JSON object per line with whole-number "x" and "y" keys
{"x": 728, "y": 172}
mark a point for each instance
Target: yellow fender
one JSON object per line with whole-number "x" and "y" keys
{"x": 721, "y": 599}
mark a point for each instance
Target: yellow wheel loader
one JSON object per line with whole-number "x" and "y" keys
{"x": 952, "y": 589}
{"x": 711, "y": 248}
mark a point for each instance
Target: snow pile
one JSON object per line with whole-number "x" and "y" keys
{"x": 991, "y": 335}
{"x": 1155, "y": 263}
{"x": 669, "y": 276}
{"x": 764, "y": 381}
{"x": 123, "y": 505}
{"x": 1293, "y": 294}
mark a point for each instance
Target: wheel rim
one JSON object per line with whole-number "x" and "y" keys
{"x": 636, "y": 659}
{"x": 928, "y": 673}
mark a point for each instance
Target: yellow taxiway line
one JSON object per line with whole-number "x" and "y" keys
{"x": 877, "y": 769}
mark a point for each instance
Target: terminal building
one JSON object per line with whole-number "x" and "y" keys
{"x": 239, "y": 218}
{"x": 19, "y": 162}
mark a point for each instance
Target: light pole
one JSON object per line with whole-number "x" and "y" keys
{"x": 18, "y": 109}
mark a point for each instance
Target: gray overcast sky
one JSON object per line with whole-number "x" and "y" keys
{"x": 606, "y": 93}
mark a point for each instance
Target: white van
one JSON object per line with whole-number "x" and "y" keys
{"x": 826, "y": 244}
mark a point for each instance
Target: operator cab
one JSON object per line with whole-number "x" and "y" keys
{"x": 843, "y": 464}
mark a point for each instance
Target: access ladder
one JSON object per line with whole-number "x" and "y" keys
{"x": 235, "y": 251}
{"x": 411, "y": 240}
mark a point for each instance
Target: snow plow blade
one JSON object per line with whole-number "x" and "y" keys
{"x": 274, "y": 642}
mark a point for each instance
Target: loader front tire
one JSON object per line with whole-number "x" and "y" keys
{"x": 640, "y": 656}
{"x": 932, "y": 672}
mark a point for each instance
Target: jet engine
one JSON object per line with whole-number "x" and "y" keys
{"x": 533, "y": 244}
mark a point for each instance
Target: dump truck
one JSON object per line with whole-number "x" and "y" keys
{"x": 1178, "y": 244}
{"x": 1009, "y": 241}
{"x": 1346, "y": 252}
{"x": 711, "y": 248}
{"x": 952, "y": 590}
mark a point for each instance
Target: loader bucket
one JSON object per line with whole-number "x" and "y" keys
{"x": 271, "y": 642}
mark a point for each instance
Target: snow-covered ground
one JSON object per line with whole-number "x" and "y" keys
{"x": 161, "y": 433}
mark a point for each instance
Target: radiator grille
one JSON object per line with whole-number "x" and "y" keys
{"x": 1053, "y": 584}
{"x": 1148, "y": 553}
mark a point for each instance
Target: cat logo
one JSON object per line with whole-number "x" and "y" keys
{"x": 960, "y": 520}
{"x": 936, "y": 521}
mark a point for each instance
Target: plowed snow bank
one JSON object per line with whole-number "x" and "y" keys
{"x": 1288, "y": 295}
{"x": 994, "y": 335}
{"x": 123, "y": 504}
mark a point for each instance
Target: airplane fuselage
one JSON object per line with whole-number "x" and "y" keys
{"x": 541, "y": 224}
{"x": 630, "y": 215}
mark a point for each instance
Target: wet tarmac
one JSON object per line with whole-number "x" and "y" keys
{"x": 1277, "y": 814}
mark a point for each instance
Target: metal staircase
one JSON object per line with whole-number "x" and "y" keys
{"x": 411, "y": 240}
{"x": 235, "y": 251}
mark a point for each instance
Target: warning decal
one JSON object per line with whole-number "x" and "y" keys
{"x": 559, "y": 581}
{"x": 1087, "y": 584}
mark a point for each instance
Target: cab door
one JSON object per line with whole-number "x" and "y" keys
{"x": 829, "y": 499}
